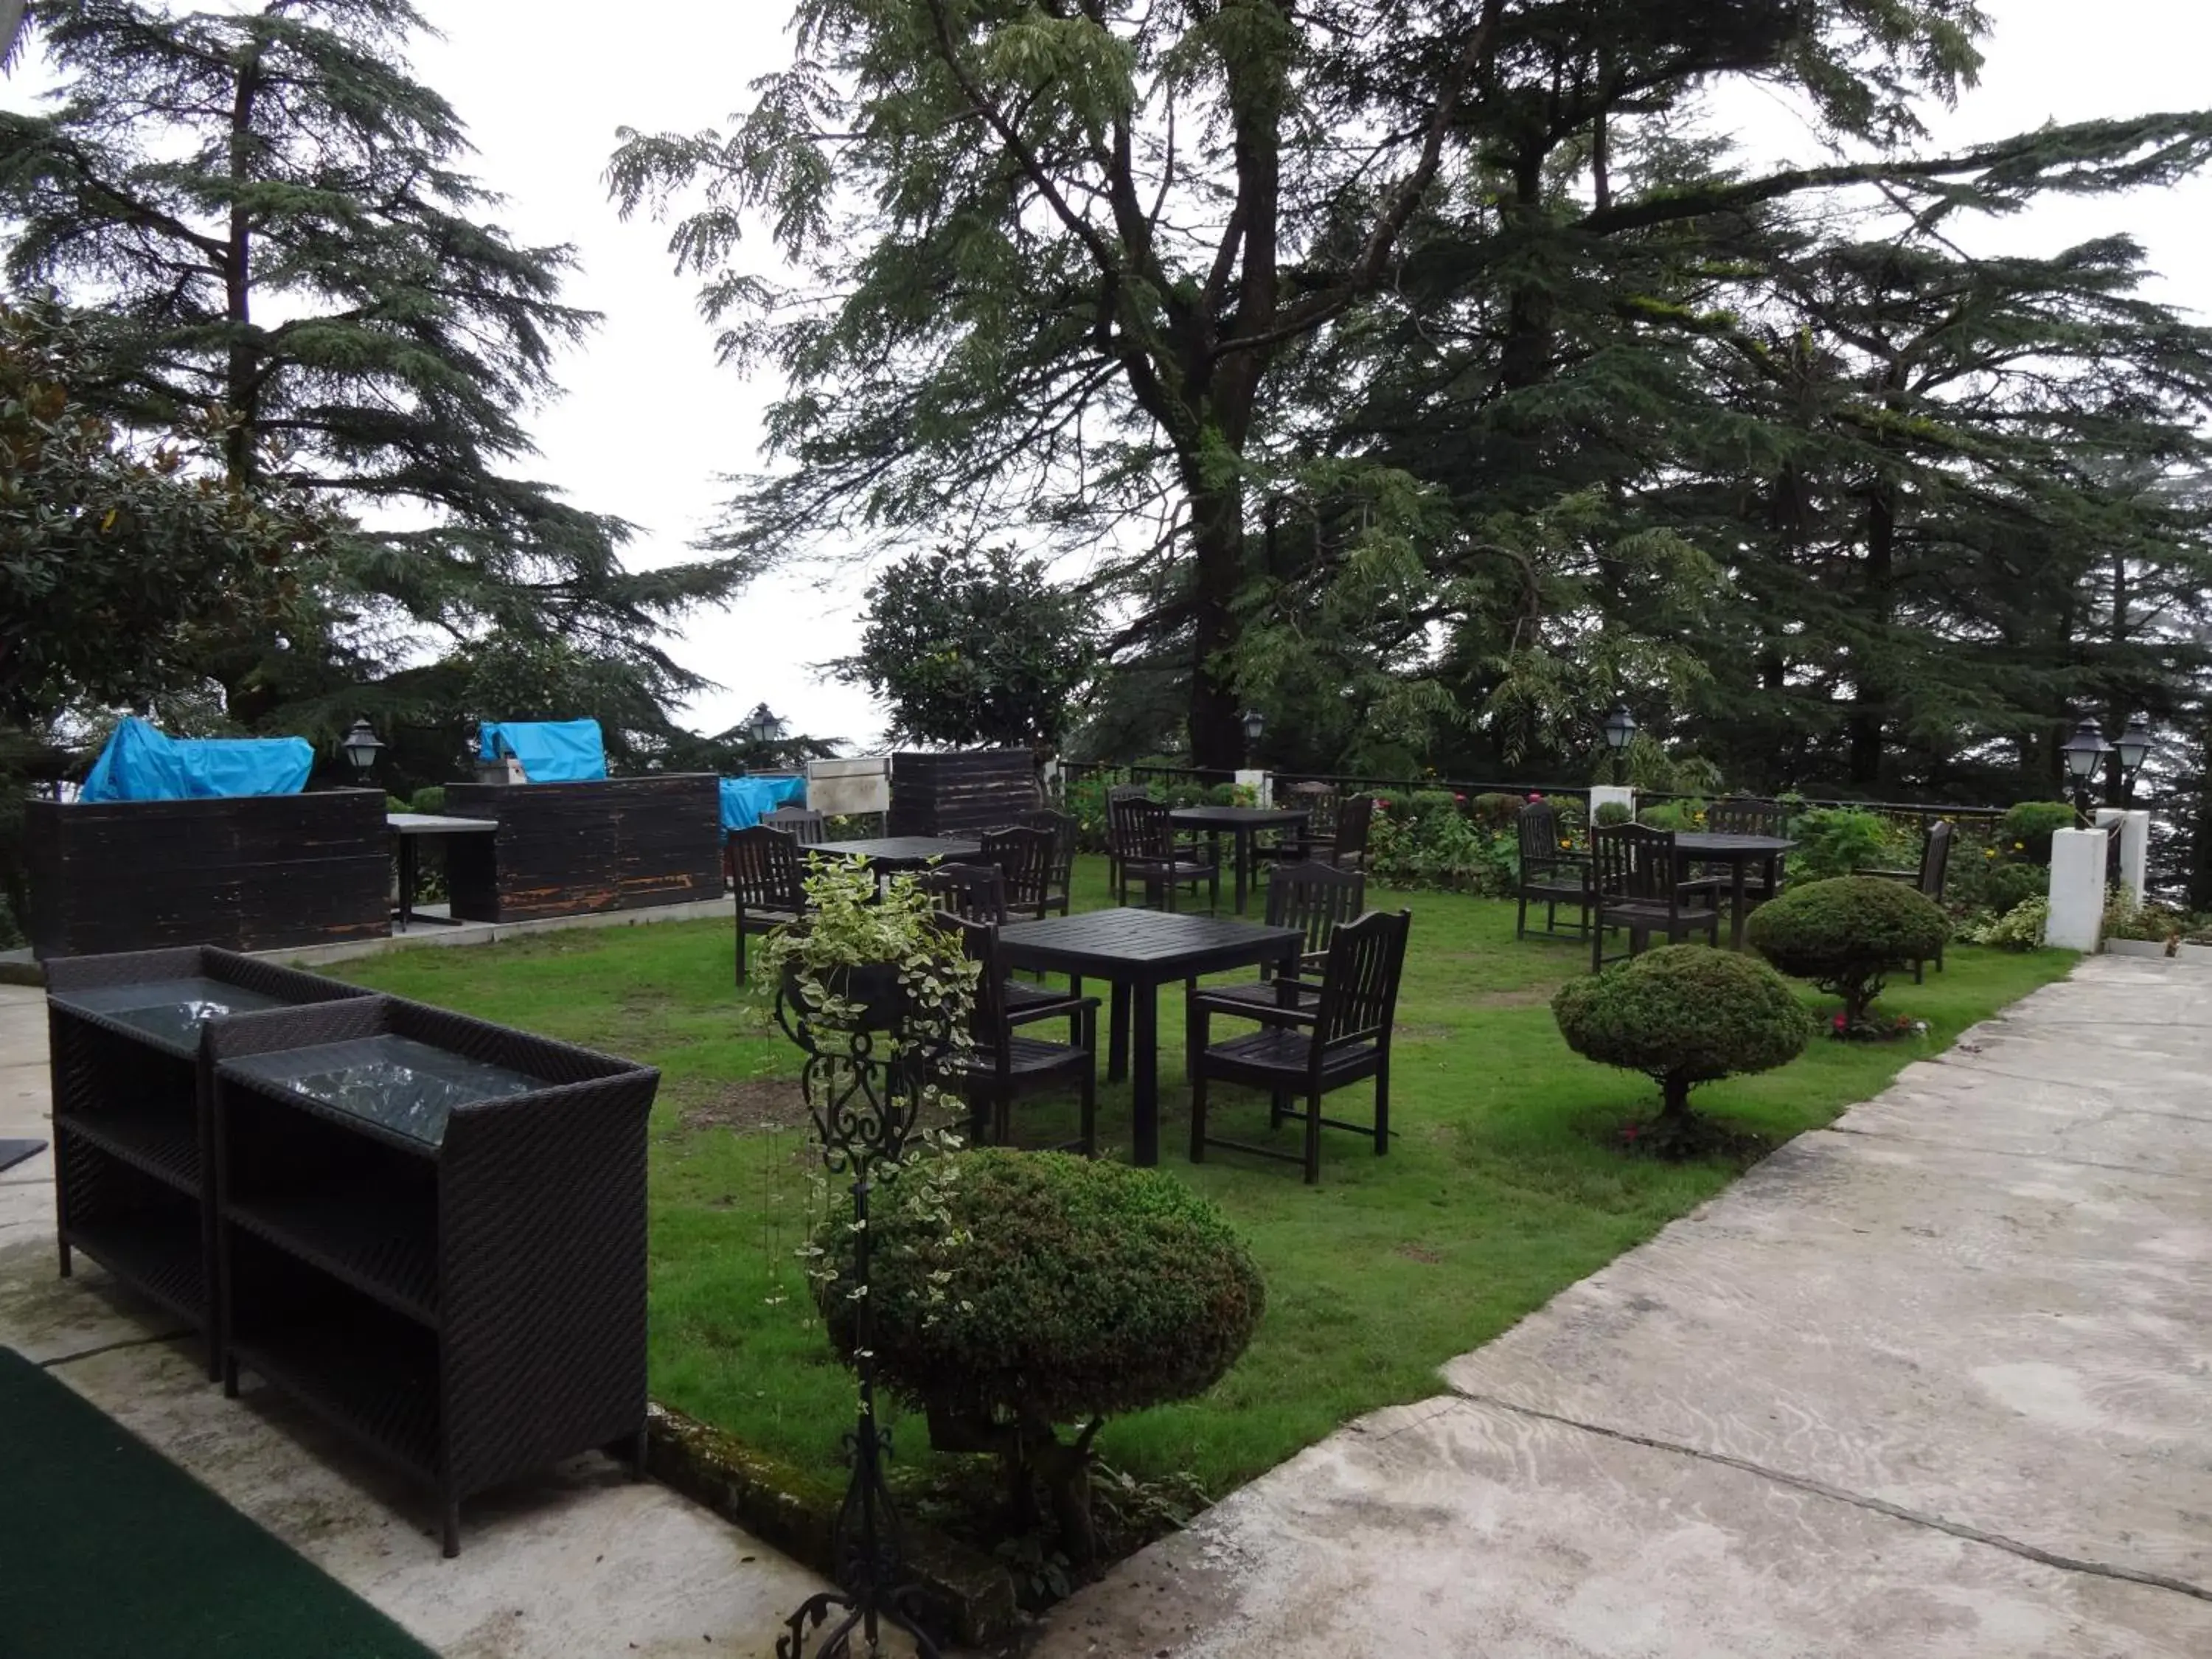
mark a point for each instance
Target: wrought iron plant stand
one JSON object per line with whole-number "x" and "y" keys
{"x": 865, "y": 1091}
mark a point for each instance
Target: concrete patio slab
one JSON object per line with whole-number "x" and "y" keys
{"x": 1935, "y": 1383}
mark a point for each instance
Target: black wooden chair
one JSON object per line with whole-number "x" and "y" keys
{"x": 803, "y": 824}
{"x": 1744, "y": 815}
{"x": 1346, "y": 846}
{"x": 1638, "y": 888}
{"x": 1342, "y": 1038}
{"x": 765, "y": 875}
{"x": 973, "y": 892}
{"x": 1004, "y": 1065}
{"x": 1026, "y": 857}
{"x": 1551, "y": 874}
{"x": 1317, "y": 899}
{"x": 1152, "y": 856}
{"x": 1116, "y": 793}
{"x": 1934, "y": 869}
{"x": 1060, "y": 881}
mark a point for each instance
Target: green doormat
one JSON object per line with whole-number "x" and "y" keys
{"x": 109, "y": 1550}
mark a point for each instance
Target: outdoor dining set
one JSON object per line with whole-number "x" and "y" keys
{"x": 1328, "y": 970}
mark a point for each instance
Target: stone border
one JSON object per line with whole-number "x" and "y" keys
{"x": 962, "y": 1592}
{"x": 2201, "y": 955}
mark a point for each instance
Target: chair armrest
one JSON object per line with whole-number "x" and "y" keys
{"x": 1059, "y": 1008}
{"x": 1912, "y": 875}
{"x": 1265, "y": 1014}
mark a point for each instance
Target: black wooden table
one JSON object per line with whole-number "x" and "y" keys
{"x": 1241, "y": 821}
{"x": 1137, "y": 952}
{"x": 900, "y": 852}
{"x": 408, "y": 828}
{"x": 1739, "y": 852}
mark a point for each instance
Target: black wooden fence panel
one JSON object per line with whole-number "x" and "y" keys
{"x": 962, "y": 793}
{"x": 568, "y": 849}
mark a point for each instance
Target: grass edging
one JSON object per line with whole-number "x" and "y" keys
{"x": 962, "y": 1593}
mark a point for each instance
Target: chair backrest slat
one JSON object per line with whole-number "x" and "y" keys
{"x": 1538, "y": 824}
{"x": 1936, "y": 857}
{"x": 1353, "y": 816}
{"x": 1360, "y": 986}
{"x": 973, "y": 892}
{"x": 764, "y": 868}
{"x": 1742, "y": 815}
{"x": 1315, "y": 898}
{"x": 1633, "y": 861}
{"x": 1061, "y": 828}
{"x": 1024, "y": 856}
{"x": 1142, "y": 830}
{"x": 805, "y": 825}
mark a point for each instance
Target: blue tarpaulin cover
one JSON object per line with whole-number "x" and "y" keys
{"x": 745, "y": 801}
{"x": 551, "y": 751}
{"x": 141, "y": 763}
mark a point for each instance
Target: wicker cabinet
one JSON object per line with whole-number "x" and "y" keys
{"x": 133, "y": 1176}
{"x": 431, "y": 1232}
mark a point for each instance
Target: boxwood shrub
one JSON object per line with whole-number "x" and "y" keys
{"x": 1039, "y": 1289}
{"x": 1682, "y": 1015}
{"x": 1847, "y": 935}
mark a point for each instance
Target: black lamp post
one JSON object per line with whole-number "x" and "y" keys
{"x": 2133, "y": 748}
{"x": 764, "y": 726}
{"x": 2085, "y": 752}
{"x": 362, "y": 748}
{"x": 1619, "y": 729}
{"x": 1256, "y": 725}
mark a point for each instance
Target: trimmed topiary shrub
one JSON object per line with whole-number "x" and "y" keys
{"x": 430, "y": 798}
{"x": 2028, "y": 826}
{"x": 1682, "y": 1015}
{"x": 2006, "y": 887}
{"x": 1047, "y": 1290}
{"x": 1847, "y": 935}
{"x": 1611, "y": 813}
{"x": 1494, "y": 811}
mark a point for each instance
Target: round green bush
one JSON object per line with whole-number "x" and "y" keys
{"x": 1847, "y": 934}
{"x": 1683, "y": 1015}
{"x": 2028, "y": 826}
{"x": 2006, "y": 887}
{"x": 1046, "y": 1289}
{"x": 430, "y": 798}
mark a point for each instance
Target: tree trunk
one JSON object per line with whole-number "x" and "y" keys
{"x": 241, "y": 380}
{"x": 1869, "y": 676}
{"x": 1217, "y": 728}
{"x": 1674, "y": 1097}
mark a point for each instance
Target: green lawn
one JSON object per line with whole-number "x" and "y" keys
{"x": 1502, "y": 1187}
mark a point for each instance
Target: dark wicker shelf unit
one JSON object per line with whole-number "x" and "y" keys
{"x": 432, "y": 1233}
{"x": 133, "y": 1175}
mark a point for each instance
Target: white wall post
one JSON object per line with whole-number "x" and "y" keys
{"x": 1612, "y": 794}
{"x": 1262, "y": 784}
{"x": 2077, "y": 890}
{"x": 2134, "y": 846}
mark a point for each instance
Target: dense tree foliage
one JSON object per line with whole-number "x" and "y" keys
{"x": 975, "y": 649}
{"x": 272, "y": 218}
{"x": 1428, "y": 373}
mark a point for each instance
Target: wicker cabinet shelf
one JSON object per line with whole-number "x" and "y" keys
{"x": 431, "y": 1233}
{"x": 131, "y": 1091}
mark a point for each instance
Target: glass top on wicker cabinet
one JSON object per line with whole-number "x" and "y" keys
{"x": 396, "y": 1083}
{"x": 170, "y": 1010}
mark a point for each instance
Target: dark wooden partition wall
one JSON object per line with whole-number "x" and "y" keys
{"x": 570, "y": 849}
{"x": 961, "y": 794}
{"x": 259, "y": 872}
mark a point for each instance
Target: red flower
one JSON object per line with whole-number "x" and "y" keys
{"x": 1534, "y": 795}
{"x": 1839, "y": 1021}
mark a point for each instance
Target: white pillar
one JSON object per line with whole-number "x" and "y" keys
{"x": 2077, "y": 890}
{"x": 1604, "y": 795}
{"x": 1262, "y": 784}
{"x": 2134, "y": 846}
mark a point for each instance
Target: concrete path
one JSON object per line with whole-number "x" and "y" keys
{"x": 584, "y": 1563}
{"x": 1934, "y": 1384}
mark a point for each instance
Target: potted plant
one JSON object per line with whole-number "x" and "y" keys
{"x": 865, "y": 957}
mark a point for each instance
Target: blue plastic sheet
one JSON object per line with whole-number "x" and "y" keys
{"x": 551, "y": 751}
{"x": 745, "y": 801}
{"x": 141, "y": 763}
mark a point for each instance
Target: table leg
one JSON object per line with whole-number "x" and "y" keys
{"x": 1117, "y": 1032}
{"x": 1145, "y": 1091}
{"x": 1242, "y": 842}
{"x": 1737, "y": 869}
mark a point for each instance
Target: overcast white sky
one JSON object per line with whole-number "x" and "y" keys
{"x": 649, "y": 421}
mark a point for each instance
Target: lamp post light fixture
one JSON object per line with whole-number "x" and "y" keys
{"x": 2134, "y": 747}
{"x": 1256, "y": 725}
{"x": 362, "y": 748}
{"x": 764, "y": 726}
{"x": 2085, "y": 752}
{"x": 1619, "y": 729}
